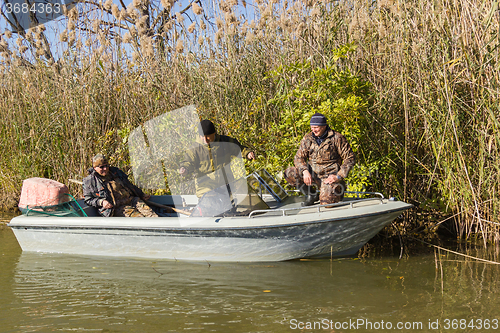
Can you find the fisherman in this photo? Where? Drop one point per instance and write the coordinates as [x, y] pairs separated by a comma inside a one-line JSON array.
[[210, 159], [108, 189], [324, 159]]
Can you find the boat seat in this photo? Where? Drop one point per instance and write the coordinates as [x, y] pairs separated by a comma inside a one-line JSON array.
[[89, 210]]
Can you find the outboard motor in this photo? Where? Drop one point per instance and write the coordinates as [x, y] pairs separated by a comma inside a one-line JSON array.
[[38, 193]]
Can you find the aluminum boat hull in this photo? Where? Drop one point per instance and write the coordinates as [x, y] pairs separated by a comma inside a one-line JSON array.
[[310, 232]]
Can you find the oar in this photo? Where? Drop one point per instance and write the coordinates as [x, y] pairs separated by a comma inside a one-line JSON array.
[[168, 208]]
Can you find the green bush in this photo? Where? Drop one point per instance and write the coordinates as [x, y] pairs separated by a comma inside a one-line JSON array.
[[301, 90]]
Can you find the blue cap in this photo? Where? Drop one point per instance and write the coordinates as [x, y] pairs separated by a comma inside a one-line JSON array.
[[318, 119]]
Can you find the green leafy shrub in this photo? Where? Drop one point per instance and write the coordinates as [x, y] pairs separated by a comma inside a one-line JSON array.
[[301, 91]]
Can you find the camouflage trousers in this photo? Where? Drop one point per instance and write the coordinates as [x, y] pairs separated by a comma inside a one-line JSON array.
[[135, 208], [328, 193]]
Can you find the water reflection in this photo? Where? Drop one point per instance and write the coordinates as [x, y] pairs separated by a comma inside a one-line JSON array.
[[42, 292], [177, 295], [9, 255]]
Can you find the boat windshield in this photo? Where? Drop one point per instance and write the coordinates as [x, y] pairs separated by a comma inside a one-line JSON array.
[[216, 172]]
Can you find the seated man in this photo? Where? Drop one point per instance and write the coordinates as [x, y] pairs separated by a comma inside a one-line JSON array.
[[325, 159], [210, 159], [109, 190]]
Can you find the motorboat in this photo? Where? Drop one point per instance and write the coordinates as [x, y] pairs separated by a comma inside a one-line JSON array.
[[251, 219], [272, 228]]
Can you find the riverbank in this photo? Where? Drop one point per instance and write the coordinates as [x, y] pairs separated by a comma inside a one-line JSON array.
[[9, 204], [413, 87]]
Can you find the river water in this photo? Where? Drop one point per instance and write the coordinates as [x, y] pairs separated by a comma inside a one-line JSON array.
[[436, 292]]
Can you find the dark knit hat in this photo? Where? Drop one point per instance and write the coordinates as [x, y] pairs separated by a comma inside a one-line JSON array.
[[206, 127], [318, 119]]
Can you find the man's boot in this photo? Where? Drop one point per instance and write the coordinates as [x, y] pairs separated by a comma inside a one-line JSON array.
[[312, 195]]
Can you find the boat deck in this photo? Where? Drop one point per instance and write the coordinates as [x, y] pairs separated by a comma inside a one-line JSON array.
[[292, 205]]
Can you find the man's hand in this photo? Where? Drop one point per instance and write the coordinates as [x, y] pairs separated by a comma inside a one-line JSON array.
[[332, 179], [183, 171], [251, 155], [307, 177], [106, 204], [146, 197]]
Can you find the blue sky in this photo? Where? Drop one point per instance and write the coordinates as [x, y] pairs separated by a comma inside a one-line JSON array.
[[55, 27]]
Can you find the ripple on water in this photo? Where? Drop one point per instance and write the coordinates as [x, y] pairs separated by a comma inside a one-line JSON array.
[[51, 292]]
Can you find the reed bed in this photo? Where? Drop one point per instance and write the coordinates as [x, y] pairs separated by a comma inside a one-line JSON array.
[[431, 120]]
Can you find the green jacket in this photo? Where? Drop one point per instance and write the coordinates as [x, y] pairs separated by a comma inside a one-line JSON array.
[[211, 165]]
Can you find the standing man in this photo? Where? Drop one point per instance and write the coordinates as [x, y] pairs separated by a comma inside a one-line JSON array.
[[108, 189], [324, 158], [210, 159]]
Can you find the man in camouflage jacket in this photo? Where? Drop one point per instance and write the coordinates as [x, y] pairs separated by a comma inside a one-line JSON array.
[[109, 190], [324, 158], [210, 159]]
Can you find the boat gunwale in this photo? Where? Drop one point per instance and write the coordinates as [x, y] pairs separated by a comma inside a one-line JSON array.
[[350, 205], [222, 228]]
